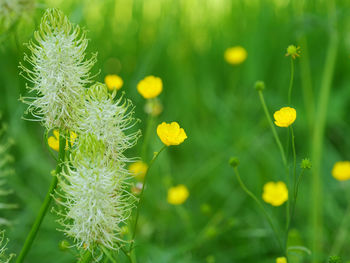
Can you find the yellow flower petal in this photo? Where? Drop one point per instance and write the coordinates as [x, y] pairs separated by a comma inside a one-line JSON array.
[[275, 193], [150, 87], [171, 134], [285, 116], [177, 195], [114, 82], [341, 170], [235, 55]]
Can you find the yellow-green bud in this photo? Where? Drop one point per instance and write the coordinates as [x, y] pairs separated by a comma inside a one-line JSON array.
[[64, 245], [306, 164], [259, 85], [234, 162]]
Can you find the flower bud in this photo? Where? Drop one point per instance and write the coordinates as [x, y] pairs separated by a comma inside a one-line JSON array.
[[234, 162], [259, 85]]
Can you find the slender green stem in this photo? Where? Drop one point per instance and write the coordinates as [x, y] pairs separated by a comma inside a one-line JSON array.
[[291, 80], [141, 196], [277, 139], [318, 135], [269, 219], [283, 155], [149, 128], [294, 158], [45, 205]]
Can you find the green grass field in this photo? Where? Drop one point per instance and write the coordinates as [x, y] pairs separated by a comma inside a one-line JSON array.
[[183, 42]]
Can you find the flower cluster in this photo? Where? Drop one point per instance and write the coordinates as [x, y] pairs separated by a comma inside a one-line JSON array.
[[92, 191], [60, 71], [94, 184], [95, 195]]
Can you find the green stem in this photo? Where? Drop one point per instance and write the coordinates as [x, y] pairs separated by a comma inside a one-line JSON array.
[[147, 136], [283, 155], [45, 205], [318, 136], [291, 80], [277, 139], [294, 158], [269, 219], [141, 196]]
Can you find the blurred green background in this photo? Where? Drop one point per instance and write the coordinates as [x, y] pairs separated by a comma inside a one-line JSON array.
[[183, 42]]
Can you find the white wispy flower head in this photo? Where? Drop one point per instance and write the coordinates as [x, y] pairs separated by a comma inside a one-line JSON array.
[[96, 201], [109, 119], [59, 71]]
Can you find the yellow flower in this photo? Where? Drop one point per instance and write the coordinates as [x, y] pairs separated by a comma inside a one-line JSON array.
[[171, 134], [150, 87], [275, 193], [235, 55], [177, 195], [138, 169], [53, 141], [285, 116], [341, 170], [114, 82], [293, 51], [281, 260]]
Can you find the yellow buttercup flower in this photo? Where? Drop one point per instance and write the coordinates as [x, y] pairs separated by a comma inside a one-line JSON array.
[[177, 195], [235, 55], [341, 170], [150, 87], [171, 134], [275, 193], [285, 116], [53, 141], [114, 82], [281, 260], [138, 169]]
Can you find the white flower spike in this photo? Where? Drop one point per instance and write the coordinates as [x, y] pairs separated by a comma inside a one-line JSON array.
[[96, 201], [59, 71]]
